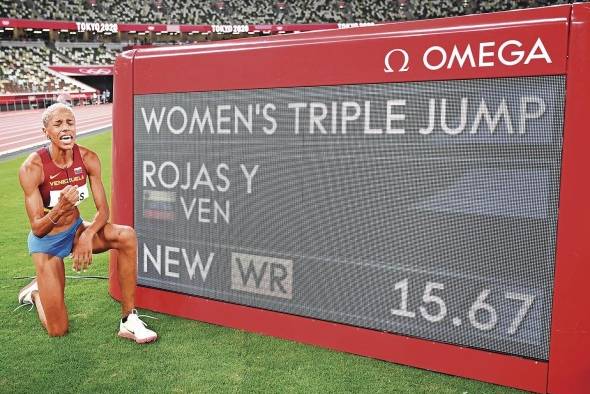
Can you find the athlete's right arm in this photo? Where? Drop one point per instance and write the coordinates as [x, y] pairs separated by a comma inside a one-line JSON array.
[[31, 176]]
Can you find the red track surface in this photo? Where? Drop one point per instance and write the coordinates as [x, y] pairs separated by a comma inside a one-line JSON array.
[[23, 129]]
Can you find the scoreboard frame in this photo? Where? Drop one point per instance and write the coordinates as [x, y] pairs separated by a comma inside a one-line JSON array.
[[364, 55]]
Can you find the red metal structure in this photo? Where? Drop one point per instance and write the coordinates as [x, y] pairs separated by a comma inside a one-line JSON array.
[[360, 56]]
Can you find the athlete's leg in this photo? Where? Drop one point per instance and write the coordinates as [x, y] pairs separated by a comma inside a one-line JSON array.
[[124, 240], [49, 300]]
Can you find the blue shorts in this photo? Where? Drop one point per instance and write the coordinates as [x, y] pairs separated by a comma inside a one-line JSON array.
[[59, 244]]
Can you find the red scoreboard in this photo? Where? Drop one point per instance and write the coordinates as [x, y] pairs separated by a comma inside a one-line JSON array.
[[414, 192]]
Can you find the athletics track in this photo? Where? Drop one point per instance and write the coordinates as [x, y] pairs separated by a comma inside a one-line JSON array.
[[22, 130]]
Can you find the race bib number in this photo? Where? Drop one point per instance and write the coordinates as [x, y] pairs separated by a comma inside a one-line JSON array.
[[83, 194]]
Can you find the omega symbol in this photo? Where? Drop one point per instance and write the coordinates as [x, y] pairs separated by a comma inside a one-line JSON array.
[[406, 58]]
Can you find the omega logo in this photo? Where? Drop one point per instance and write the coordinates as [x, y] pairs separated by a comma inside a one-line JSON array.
[[405, 60], [484, 54]]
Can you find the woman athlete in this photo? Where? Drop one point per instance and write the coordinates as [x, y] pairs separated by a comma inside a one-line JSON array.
[[55, 180]]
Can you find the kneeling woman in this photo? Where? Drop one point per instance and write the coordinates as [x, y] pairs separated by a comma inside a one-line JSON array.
[[55, 181]]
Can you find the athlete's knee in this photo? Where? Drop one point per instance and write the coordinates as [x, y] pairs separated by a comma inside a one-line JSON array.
[[57, 330], [127, 237]]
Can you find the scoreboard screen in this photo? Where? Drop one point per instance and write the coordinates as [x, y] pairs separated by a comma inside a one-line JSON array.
[[414, 192], [424, 208]]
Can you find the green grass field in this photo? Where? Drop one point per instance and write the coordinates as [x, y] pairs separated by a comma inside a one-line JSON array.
[[188, 357]]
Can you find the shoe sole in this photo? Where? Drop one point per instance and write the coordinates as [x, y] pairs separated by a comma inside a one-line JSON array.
[[24, 290], [128, 335]]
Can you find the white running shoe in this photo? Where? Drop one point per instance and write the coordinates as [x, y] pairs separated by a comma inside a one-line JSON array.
[[135, 329], [25, 295]]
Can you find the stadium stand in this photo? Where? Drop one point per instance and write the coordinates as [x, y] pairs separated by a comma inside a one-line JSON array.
[[253, 12], [23, 69], [84, 53], [17, 9]]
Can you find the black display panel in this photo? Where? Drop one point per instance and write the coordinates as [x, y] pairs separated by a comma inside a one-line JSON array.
[[427, 209]]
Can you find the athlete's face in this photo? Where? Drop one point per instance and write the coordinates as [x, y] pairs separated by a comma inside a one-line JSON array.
[[61, 129]]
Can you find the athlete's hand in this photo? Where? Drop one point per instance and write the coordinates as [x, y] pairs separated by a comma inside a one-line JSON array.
[[68, 197], [82, 252]]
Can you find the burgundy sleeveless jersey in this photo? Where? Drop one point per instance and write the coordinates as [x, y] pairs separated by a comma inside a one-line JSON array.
[[56, 179]]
